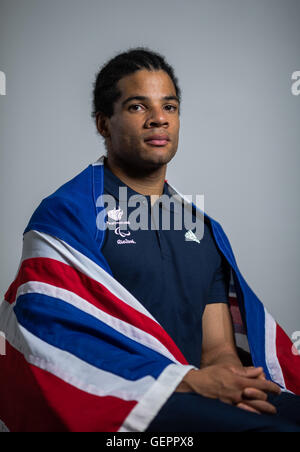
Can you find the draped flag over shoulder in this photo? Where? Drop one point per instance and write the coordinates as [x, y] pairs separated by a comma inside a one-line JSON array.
[[81, 353]]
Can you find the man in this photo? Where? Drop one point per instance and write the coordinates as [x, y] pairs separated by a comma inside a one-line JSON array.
[[111, 328]]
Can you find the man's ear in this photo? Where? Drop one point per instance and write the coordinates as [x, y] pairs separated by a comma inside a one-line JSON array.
[[102, 125]]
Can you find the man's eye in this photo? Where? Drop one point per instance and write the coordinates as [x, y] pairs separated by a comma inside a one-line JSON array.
[[171, 107], [135, 107]]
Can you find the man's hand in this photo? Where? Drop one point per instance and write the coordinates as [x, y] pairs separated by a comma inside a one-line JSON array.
[[245, 387], [253, 399], [222, 375]]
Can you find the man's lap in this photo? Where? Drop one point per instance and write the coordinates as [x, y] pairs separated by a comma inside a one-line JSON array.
[[288, 406], [192, 412]]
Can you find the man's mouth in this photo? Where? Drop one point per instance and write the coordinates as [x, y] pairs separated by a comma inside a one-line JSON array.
[[157, 140]]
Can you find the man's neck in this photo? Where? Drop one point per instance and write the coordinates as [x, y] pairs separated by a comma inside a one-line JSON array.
[[149, 184]]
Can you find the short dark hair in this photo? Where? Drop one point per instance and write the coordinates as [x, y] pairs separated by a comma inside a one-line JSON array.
[[105, 92]]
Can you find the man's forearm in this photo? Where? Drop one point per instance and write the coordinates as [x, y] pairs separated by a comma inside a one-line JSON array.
[[226, 356], [230, 359]]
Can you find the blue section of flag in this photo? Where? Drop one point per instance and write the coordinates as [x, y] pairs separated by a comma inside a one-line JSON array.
[[70, 213], [68, 328]]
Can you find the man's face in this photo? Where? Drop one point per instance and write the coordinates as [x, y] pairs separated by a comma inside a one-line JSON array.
[[143, 131]]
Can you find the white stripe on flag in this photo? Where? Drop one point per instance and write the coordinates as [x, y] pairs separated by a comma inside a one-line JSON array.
[[3, 427], [270, 351], [38, 244], [71, 298], [145, 411], [66, 366]]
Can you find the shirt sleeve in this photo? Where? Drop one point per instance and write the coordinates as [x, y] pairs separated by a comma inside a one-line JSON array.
[[219, 288]]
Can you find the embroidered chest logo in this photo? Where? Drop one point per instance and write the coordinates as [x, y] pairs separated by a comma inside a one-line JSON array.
[[191, 237], [116, 215]]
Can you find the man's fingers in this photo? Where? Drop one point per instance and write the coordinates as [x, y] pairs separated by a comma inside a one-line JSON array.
[[260, 405], [248, 372], [256, 379], [261, 385], [257, 400], [254, 393], [261, 375], [245, 407], [269, 386]]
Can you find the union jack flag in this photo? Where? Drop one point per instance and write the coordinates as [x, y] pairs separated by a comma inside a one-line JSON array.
[[81, 352]]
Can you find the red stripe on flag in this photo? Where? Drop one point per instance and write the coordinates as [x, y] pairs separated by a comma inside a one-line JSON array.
[[236, 315], [289, 362], [63, 276], [37, 401], [233, 300]]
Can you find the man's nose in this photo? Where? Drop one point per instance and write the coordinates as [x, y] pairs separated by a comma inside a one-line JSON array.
[[157, 118]]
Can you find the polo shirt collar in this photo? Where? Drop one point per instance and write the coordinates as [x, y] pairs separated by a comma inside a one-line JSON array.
[[112, 184]]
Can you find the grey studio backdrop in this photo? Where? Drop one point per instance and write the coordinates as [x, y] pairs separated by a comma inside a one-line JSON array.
[[239, 141]]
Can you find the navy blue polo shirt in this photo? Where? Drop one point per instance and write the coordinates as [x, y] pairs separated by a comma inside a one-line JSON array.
[[172, 277]]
